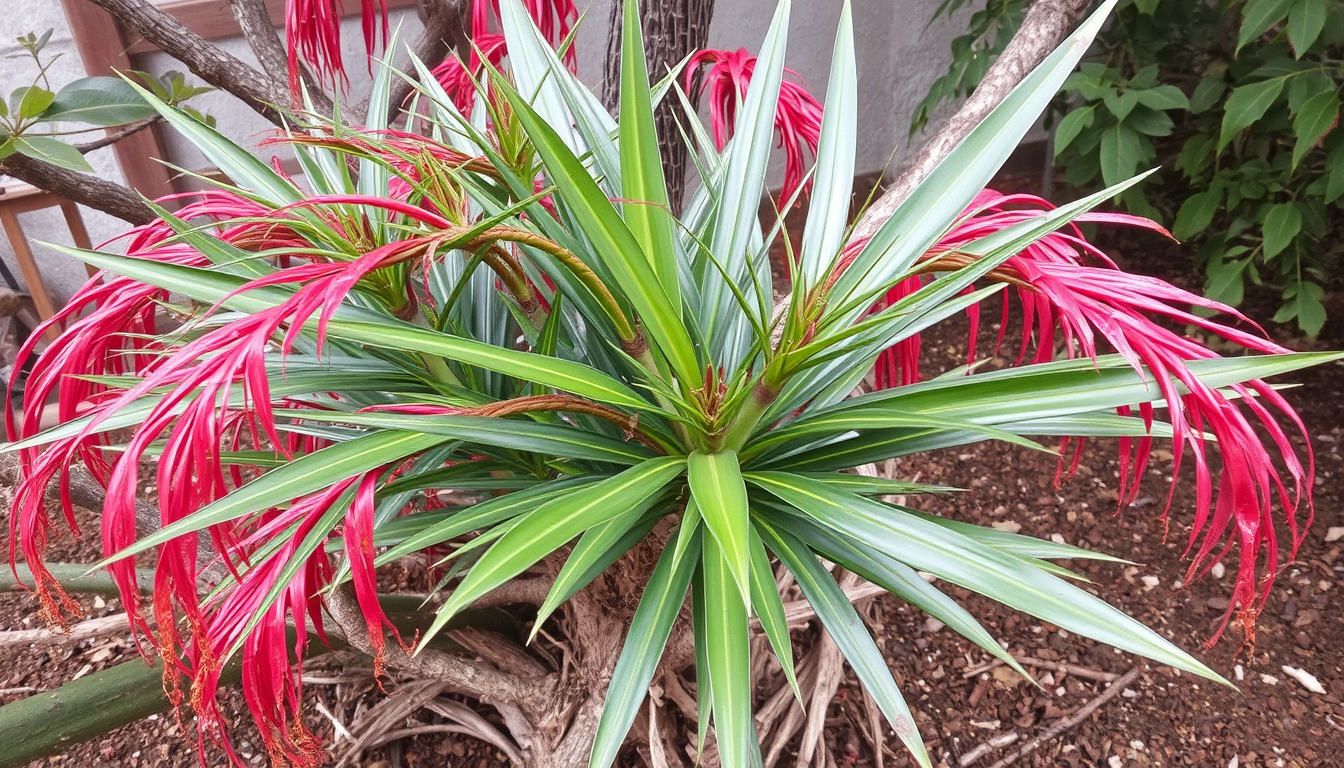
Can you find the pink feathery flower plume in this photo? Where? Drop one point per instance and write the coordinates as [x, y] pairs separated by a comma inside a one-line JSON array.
[[108, 323], [797, 119], [272, 662], [203, 397], [1071, 291], [313, 34], [554, 18], [460, 81]]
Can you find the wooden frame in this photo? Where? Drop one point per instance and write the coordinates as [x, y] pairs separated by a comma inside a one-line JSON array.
[[102, 46], [213, 19], [105, 45]]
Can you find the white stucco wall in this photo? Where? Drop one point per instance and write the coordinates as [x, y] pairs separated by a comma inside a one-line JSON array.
[[898, 59], [61, 273]]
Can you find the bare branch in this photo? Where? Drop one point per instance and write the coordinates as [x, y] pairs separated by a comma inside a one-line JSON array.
[[113, 138], [479, 681], [259, 31], [207, 61], [531, 591], [85, 189], [445, 32], [84, 492], [1046, 25]]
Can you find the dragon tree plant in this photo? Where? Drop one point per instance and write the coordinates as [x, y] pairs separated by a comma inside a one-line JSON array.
[[502, 305]]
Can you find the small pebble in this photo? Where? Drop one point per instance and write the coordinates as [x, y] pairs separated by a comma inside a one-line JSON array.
[[1057, 538], [1269, 679], [1240, 672], [1335, 533], [1305, 678], [1151, 581], [1218, 570]]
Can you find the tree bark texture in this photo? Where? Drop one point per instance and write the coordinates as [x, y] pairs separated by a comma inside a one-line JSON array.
[[673, 29], [206, 61], [1045, 26], [259, 31], [85, 189], [445, 34]]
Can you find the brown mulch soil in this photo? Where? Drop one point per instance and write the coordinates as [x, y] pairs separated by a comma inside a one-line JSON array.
[[1164, 719]]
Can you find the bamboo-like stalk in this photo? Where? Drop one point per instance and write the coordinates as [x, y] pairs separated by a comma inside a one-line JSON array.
[[84, 709], [74, 578]]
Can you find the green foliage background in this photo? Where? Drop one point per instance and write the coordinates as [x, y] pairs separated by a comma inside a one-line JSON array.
[[1237, 101]]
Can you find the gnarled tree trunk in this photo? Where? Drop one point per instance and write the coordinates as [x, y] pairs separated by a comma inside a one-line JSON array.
[[673, 29]]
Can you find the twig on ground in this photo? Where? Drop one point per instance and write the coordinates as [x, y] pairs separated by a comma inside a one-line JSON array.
[[998, 742], [1077, 717], [340, 730], [475, 725], [1086, 673], [106, 625]]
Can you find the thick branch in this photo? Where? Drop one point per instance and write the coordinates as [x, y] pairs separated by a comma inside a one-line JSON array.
[[85, 189], [1046, 25], [206, 61], [479, 681], [85, 492], [673, 29], [255, 22], [445, 32]]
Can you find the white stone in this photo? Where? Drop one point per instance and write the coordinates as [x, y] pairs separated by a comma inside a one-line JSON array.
[[1304, 677]]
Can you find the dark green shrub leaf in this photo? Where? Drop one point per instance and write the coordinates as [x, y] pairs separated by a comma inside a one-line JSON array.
[[1197, 213], [49, 150], [1304, 303], [99, 101], [1207, 93], [1163, 97], [1318, 115], [1247, 104], [1335, 164], [1121, 148], [1306, 19], [1226, 281], [1282, 224], [1073, 124], [1257, 16], [1150, 122], [1121, 104]]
